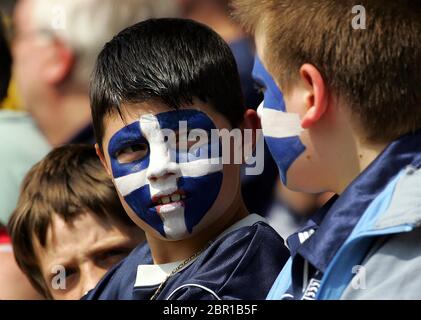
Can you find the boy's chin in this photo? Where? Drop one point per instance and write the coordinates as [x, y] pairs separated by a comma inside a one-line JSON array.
[[303, 187], [175, 235], [299, 179], [178, 231]]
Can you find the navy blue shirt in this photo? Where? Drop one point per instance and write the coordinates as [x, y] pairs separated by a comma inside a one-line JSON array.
[[241, 264]]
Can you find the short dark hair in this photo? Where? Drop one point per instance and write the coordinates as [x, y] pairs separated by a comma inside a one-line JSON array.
[[377, 71], [69, 181], [5, 61], [171, 60]]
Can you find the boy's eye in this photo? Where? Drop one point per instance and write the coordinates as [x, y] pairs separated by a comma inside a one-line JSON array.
[[110, 257], [132, 153], [71, 272], [72, 275]]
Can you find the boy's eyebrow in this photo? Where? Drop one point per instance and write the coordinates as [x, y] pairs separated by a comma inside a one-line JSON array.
[[99, 247], [195, 119], [111, 243]]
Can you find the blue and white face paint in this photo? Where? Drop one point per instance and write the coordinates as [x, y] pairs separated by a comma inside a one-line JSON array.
[[281, 130], [168, 187]]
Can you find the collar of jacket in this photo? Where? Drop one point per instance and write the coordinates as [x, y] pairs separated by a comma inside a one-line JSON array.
[[343, 215]]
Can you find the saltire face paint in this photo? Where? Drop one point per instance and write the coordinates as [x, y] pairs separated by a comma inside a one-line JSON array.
[[169, 187], [281, 130]]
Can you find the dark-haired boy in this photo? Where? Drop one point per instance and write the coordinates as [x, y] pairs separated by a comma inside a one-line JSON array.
[[203, 244], [350, 119]]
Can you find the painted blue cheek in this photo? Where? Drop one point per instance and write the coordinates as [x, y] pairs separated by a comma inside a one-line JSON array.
[[118, 142], [284, 150], [197, 203], [202, 193], [140, 202]]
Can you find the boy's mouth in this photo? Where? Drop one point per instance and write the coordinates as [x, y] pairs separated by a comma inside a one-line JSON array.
[[169, 202]]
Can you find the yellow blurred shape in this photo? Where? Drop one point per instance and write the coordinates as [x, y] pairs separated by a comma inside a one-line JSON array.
[[12, 102]]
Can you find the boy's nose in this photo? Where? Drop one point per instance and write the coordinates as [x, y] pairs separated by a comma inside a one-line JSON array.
[[163, 174], [90, 276], [160, 166]]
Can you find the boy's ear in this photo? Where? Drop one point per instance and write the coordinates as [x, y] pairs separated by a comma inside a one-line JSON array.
[[101, 157], [316, 100], [251, 122]]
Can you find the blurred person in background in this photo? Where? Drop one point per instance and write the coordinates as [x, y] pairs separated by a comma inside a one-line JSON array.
[[69, 227], [21, 143], [12, 99], [215, 14], [257, 190], [13, 284], [54, 49], [5, 61]]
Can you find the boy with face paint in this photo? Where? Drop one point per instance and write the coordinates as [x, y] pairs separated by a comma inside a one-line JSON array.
[[348, 120], [159, 91]]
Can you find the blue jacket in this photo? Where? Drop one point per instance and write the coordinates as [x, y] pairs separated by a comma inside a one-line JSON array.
[[366, 243]]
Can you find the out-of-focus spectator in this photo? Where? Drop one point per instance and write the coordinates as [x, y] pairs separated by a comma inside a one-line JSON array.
[[69, 226], [215, 14], [21, 143], [13, 283], [12, 99], [5, 62], [54, 48], [6, 6]]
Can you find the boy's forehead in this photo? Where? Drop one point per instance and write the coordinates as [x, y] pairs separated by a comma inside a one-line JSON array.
[[134, 111], [67, 239]]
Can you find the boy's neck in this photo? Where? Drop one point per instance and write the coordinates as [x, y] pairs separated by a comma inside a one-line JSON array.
[[364, 154], [164, 251]]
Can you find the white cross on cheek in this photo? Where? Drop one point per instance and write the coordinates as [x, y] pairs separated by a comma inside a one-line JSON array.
[[278, 124]]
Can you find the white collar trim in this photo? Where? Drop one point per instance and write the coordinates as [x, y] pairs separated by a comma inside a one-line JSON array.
[[154, 274]]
